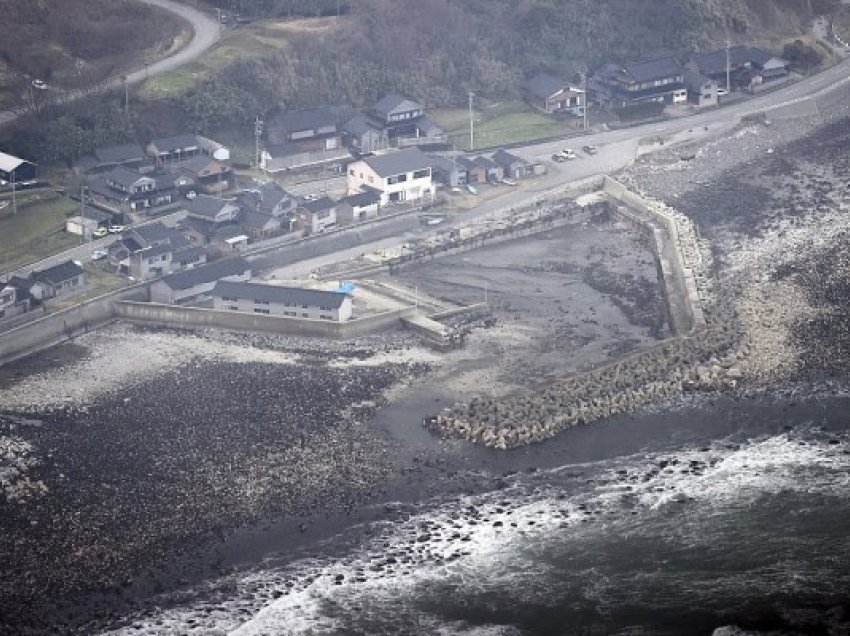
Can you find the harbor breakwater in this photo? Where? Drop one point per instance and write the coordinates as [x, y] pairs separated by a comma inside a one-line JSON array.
[[705, 353]]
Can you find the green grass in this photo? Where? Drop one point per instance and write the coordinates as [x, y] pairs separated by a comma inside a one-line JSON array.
[[37, 230], [100, 282], [501, 124]]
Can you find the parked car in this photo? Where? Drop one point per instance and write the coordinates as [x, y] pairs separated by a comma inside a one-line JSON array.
[[568, 153], [509, 182], [471, 189], [721, 92], [116, 229], [589, 149], [191, 194], [558, 157], [39, 84], [99, 255], [100, 232]]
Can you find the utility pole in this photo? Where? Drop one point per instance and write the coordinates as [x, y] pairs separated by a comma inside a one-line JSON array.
[[126, 94], [584, 88], [82, 213], [14, 201], [728, 85], [258, 131], [471, 122]]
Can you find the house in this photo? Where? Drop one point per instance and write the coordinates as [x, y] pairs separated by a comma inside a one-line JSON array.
[[130, 155], [399, 176], [87, 221], [301, 138], [659, 80], [317, 215], [153, 250], [747, 66], [449, 172], [482, 169], [15, 300], [258, 225], [277, 300], [122, 189], [16, 170], [513, 167], [365, 135], [702, 90], [165, 150], [197, 283], [205, 173], [268, 198], [549, 94], [357, 207], [395, 121], [57, 281], [212, 210]]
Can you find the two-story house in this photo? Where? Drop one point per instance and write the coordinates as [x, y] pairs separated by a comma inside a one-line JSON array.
[[14, 300], [277, 300], [57, 281], [399, 176], [747, 66], [620, 87], [154, 250], [122, 189], [212, 210], [395, 121], [550, 94], [317, 215], [302, 138]]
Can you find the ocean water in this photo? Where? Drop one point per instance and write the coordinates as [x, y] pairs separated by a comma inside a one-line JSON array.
[[750, 532]]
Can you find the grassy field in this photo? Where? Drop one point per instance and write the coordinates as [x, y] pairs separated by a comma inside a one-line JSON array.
[[37, 230], [500, 124], [100, 282]]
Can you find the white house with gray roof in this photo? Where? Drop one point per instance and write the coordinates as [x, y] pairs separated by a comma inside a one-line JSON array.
[[399, 176], [212, 209], [278, 300], [197, 283]]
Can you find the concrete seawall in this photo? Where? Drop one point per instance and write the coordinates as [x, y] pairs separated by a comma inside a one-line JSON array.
[[54, 328]]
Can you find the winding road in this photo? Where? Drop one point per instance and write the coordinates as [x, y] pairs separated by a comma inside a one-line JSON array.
[[206, 33]]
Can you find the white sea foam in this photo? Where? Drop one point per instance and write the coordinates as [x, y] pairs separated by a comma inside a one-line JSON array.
[[488, 542]]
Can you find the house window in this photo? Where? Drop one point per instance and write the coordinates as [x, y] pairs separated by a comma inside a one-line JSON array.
[[233, 308], [305, 315], [401, 178], [351, 172], [421, 174], [258, 310], [304, 306], [261, 302]]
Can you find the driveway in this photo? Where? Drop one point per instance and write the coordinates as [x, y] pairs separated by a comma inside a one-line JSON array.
[[206, 34]]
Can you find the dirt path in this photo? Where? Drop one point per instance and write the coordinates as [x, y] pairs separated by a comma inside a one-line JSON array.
[[206, 33]]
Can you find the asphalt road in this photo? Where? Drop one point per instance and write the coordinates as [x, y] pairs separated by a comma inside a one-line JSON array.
[[206, 34]]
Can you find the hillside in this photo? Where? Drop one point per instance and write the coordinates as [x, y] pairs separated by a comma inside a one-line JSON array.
[[70, 43], [299, 54]]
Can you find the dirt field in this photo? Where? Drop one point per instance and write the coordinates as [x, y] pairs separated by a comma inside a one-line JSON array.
[[572, 297]]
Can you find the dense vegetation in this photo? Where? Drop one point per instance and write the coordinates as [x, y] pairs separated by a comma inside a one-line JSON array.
[[77, 42], [433, 50]]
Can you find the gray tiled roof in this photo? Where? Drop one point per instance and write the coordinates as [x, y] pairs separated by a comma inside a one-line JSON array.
[[715, 61], [120, 153], [300, 120], [207, 273], [205, 205], [504, 158], [362, 199], [279, 294], [59, 273], [398, 162], [156, 232], [544, 85], [395, 102], [177, 142], [124, 176]]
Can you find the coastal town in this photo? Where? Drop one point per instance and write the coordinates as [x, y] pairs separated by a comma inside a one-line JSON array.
[[378, 308]]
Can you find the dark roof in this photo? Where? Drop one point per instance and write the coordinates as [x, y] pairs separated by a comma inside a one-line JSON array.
[[504, 158], [279, 294], [394, 102], [177, 142], [188, 254], [360, 124], [323, 203], [484, 162], [94, 214], [641, 71], [695, 81], [207, 273], [156, 232], [98, 185], [544, 85], [254, 220], [195, 164], [155, 250], [362, 199], [206, 205], [714, 62], [298, 120], [124, 176], [59, 273], [263, 197], [120, 153], [397, 162]]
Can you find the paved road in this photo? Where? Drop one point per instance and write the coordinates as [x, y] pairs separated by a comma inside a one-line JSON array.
[[206, 34]]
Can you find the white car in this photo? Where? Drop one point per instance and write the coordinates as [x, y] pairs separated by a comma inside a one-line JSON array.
[[99, 255], [721, 92], [116, 229], [39, 84], [568, 153]]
